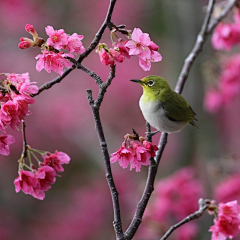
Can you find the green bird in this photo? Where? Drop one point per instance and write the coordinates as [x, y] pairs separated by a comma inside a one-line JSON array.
[[162, 108]]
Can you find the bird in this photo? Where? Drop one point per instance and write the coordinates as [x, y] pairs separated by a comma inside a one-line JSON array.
[[163, 108]]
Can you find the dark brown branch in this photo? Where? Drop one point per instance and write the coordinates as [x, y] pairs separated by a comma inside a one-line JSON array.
[[104, 86], [25, 146], [95, 105], [197, 48], [100, 32], [203, 205], [92, 74], [58, 79]]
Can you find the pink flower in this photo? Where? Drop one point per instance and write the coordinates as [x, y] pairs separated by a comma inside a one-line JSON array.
[[151, 148], [228, 85], [29, 28], [9, 109], [121, 48], [226, 35], [74, 44], [51, 61], [23, 85], [141, 156], [227, 223], [35, 183], [142, 46], [26, 43], [55, 160], [116, 55], [5, 141], [105, 57], [145, 60], [134, 153], [26, 182], [57, 38], [45, 175], [138, 43], [124, 155]]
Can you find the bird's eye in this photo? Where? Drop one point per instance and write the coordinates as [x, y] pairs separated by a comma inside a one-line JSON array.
[[151, 83]]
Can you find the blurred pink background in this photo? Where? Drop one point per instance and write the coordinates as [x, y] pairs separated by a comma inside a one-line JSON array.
[[79, 204]]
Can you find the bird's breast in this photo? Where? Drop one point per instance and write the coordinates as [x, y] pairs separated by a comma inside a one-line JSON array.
[[155, 115]]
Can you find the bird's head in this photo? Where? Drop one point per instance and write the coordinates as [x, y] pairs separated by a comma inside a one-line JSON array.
[[152, 84]]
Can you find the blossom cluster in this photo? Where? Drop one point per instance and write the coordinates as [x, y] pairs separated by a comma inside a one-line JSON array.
[[36, 182], [228, 85], [53, 58], [134, 152], [139, 44], [227, 222], [227, 35], [14, 101]]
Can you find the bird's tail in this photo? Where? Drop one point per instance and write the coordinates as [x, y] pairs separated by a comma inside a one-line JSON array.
[[194, 124]]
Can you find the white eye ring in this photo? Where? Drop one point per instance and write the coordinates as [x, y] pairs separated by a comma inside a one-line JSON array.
[[151, 83]]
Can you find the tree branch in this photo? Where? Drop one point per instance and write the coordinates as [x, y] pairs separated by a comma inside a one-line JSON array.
[[58, 79], [203, 205], [197, 48], [149, 187], [25, 146], [100, 32], [222, 14], [95, 106], [92, 74], [91, 47]]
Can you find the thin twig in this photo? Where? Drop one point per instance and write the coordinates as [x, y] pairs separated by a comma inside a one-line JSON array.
[[203, 205], [104, 86], [223, 13], [95, 106], [25, 146], [92, 46], [92, 74], [58, 79], [197, 48]]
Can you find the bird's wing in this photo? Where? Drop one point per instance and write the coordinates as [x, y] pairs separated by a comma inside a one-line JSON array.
[[177, 108]]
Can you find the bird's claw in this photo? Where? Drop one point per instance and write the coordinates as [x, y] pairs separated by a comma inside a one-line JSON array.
[[151, 134]]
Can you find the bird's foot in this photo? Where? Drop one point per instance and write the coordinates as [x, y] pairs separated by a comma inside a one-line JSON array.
[[151, 134]]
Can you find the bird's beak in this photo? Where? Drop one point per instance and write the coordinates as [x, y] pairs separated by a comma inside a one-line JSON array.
[[137, 81]]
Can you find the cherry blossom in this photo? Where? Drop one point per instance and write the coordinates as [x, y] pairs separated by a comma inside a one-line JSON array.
[[135, 153], [5, 141], [105, 57], [51, 61], [55, 160], [57, 38], [35, 182], [141, 45], [226, 35], [227, 223], [74, 44]]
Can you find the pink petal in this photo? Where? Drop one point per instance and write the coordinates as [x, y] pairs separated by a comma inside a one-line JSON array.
[[137, 32]]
